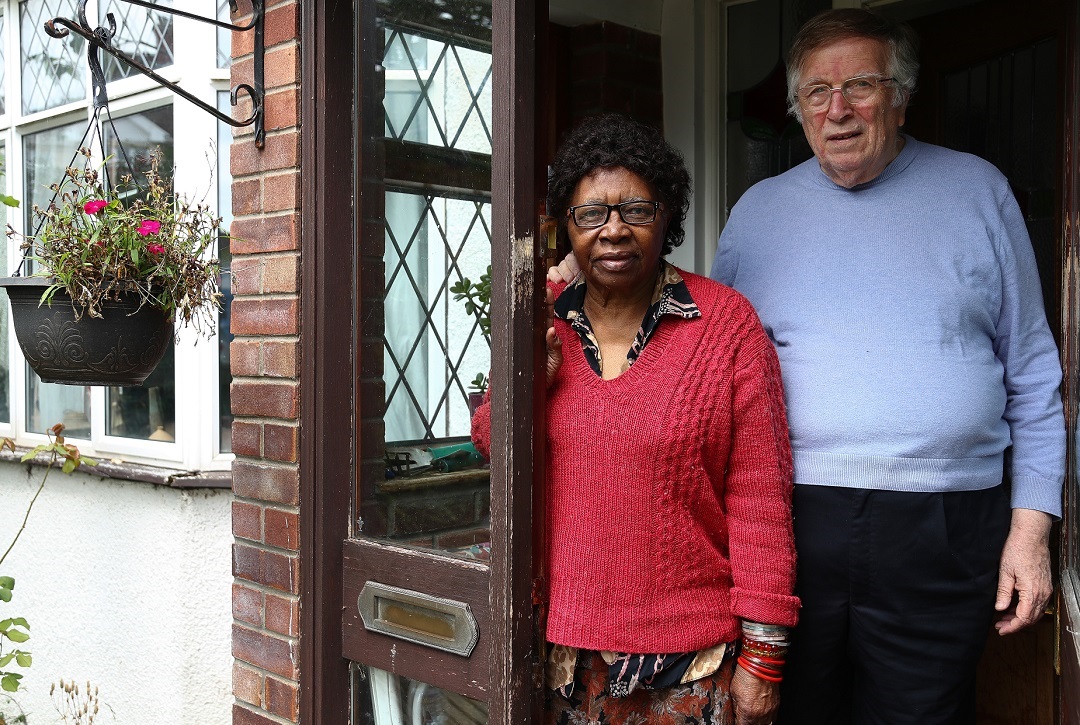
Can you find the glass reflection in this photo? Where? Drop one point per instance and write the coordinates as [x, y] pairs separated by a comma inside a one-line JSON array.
[[390, 699]]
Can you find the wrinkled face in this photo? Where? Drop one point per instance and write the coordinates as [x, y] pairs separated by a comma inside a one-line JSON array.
[[853, 143], [617, 258]]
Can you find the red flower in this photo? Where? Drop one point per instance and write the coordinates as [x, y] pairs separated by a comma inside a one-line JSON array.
[[94, 206], [148, 227], [155, 249]]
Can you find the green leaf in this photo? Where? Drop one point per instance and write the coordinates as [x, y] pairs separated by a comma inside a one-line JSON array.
[[7, 582], [9, 200], [19, 622], [10, 681], [24, 659], [7, 658], [16, 635], [5, 594], [69, 466]]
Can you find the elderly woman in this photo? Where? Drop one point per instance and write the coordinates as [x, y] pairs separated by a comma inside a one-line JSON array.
[[669, 536]]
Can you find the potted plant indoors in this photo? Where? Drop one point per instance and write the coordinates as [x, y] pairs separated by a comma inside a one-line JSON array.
[[477, 297], [114, 267]]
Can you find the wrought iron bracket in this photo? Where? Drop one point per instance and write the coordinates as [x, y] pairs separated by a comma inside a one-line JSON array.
[[101, 38]]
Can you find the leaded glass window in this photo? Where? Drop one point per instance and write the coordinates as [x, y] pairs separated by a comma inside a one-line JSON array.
[[437, 151], [143, 34], [53, 71]]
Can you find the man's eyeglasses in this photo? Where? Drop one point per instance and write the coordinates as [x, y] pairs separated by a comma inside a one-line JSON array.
[[590, 216], [859, 89]]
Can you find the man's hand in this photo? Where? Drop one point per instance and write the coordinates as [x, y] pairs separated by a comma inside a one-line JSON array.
[[566, 271], [1025, 570], [756, 700]]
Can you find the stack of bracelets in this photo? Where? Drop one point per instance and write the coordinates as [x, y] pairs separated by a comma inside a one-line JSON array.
[[763, 650]]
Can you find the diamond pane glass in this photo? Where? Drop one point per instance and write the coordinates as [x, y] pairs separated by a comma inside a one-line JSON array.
[[434, 346], [53, 70], [452, 86], [431, 190], [224, 37], [143, 34]]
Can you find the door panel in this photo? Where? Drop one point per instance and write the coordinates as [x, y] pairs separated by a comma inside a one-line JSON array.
[[438, 571]]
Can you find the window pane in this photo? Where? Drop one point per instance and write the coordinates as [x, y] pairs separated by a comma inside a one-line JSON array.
[[142, 34], [5, 410], [3, 64], [428, 183], [147, 411], [224, 37], [46, 155], [53, 70], [224, 210]]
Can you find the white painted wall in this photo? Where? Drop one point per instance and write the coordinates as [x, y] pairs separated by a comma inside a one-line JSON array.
[[127, 585]]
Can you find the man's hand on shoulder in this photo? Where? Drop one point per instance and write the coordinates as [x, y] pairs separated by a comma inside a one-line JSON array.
[[566, 271], [1025, 571]]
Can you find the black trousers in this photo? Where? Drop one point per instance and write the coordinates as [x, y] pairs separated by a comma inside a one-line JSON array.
[[897, 596]]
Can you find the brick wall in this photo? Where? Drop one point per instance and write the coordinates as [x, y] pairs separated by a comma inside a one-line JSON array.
[[265, 390]]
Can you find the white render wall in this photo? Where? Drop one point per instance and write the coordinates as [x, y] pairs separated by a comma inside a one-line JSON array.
[[125, 584]]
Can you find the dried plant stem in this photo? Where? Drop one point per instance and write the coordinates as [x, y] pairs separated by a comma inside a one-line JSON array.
[[28, 508]]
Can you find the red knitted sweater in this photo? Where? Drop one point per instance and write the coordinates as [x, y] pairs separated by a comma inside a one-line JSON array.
[[669, 487]]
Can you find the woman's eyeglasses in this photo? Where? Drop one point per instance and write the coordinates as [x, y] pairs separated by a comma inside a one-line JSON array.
[[590, 216]]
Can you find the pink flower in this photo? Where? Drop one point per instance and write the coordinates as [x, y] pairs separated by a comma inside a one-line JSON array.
[[148, 227], [155, 248], [94, 206]]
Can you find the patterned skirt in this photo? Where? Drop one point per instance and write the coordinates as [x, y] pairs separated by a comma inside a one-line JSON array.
[[702, 702]]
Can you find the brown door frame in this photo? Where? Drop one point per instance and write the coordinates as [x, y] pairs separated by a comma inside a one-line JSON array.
[[328, 441], [1068, 655], [327, 47]]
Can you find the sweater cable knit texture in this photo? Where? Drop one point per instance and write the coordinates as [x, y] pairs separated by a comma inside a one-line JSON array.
[[669, 487]]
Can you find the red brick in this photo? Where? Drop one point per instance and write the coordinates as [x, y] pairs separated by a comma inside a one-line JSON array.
[[281, 274], [247, 520], [281, 442], [244, 716], [281, 24], [282, 529], [246, 275], [282, 615], [242, 70], [265, 316], [281, 109], [265, 234], [244, 357], [246, 196], [281, 192], [274, 484], [282, 699], [270, 653], [279, 359], [281, 66], [282, 151], [247, 606], [247, 684], [246, 440], [271, 400], [268, 568]]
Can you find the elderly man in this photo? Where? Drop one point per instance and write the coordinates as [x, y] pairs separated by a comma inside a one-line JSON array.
[[898, 283]]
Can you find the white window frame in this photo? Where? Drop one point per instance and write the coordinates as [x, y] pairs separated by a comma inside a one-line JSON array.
[[197, 411]]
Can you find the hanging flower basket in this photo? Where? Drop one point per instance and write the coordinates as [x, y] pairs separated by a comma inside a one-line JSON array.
[[122, 347]]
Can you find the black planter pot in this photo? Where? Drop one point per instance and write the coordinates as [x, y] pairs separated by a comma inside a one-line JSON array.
[[121, 348]]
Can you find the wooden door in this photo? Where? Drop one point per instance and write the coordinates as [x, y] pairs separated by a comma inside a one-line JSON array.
[[438, 568]]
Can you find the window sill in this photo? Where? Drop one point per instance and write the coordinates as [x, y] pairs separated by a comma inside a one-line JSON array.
[[136, 472]]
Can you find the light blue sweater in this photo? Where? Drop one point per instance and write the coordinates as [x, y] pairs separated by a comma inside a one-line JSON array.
[[908, 318]]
